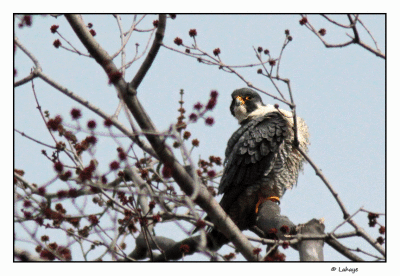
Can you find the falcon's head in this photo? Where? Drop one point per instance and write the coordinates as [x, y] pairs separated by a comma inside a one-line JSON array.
[[244, 102]]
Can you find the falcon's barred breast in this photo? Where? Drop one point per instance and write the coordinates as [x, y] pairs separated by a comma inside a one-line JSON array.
[[261, 161]]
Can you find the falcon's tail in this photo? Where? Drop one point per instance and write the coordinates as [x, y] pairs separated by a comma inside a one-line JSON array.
[[215, 240]]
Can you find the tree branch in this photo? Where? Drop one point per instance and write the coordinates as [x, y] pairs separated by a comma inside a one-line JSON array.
[[346, 214], [354, 40], [312, 250], [182, 178], [25, 256], [28, 78], [144, 68], [342, 249], [29, 54], [327, 184], [133, 136]]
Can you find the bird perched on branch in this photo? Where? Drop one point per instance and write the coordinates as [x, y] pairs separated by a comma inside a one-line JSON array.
[[261, 160]]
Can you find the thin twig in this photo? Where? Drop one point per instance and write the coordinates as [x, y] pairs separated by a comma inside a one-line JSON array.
[[346, 214], [370, 34], [346, 220], [354, 40], [34, 140], [74, 49], [336, 23], [127, 34], [99, 112], [326, 182]]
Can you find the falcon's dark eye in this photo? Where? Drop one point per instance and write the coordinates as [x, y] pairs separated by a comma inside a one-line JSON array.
[[248, 98]]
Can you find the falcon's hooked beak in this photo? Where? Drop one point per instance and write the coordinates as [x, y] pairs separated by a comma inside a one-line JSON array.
[[239, 100], [239, 109], [244, 103]]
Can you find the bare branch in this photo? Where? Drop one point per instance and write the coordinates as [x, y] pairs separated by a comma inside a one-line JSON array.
[[354, 27], [29, 54], [34, 140], [354, 40], [327, 184], [372, 37], [183, 179], [99, 112], [336, 23], [25, 256], [151, 55], [346, 214], [343, 250], [139, 192], [36, 63], [28, 78], [368, 238]]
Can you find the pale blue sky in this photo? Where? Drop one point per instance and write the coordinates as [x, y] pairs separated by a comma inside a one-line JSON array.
[[340, 93]]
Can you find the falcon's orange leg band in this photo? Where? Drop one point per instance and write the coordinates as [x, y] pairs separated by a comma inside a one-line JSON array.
[[262, 199]]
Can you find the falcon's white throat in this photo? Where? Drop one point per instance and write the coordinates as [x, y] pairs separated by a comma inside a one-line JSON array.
[[241, 112]]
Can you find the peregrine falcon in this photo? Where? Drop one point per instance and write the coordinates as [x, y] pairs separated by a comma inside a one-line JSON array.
[[261, 161]]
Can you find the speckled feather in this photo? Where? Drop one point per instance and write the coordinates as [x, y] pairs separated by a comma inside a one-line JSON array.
[[253, 152], [260, 157]]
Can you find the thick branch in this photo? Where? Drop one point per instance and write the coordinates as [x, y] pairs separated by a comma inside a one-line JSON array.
[[25, 256], [182, 178], [269, 225], [270, 221], [171, 249], [312, 250]]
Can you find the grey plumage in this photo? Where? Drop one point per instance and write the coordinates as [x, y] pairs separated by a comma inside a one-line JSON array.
[[261, 160], [260, 157]]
